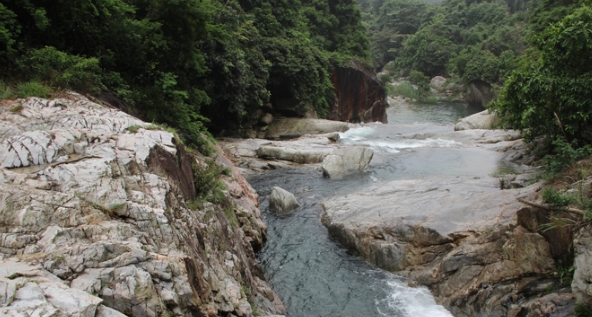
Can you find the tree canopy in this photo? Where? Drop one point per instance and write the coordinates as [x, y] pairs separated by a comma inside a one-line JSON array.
[[549, 94], [186, 63], [471, 40]]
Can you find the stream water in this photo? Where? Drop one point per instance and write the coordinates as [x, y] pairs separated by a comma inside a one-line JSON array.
[[312, 274]]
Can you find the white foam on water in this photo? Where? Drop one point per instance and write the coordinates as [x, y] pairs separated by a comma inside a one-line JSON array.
[[364, 136], [413, 302], [357, 133]]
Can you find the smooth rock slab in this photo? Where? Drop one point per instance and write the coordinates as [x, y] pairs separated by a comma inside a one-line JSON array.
[[282, 201], [297, 155], [380, 221], [481, 120], [289, 128], [343, 162]]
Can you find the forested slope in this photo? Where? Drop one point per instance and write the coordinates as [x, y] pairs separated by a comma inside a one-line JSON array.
[[535, 52], [466, 39], [185, 63]]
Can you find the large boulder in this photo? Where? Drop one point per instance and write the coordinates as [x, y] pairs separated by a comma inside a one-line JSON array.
[[282, 201], [437, 82], [297, 155], [344, 161], [479, 93], [266, 119], [481, 120], [359, 95], [291, 128]]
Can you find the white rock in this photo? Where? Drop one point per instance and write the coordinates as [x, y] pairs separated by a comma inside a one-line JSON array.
[[437, 82], [481, 120], [343, 162], [103, 311], [82, 200], [282, 201]]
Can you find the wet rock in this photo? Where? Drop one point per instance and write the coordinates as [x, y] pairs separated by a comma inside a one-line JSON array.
[[359, 95], [481, 120], [282, 201], [334, 137], [346, 161]]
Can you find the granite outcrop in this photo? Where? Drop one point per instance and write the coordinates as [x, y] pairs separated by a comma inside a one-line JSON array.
[[100, 218]]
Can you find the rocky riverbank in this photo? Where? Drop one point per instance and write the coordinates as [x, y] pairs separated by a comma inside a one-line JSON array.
[[468, 239], [100, 218]]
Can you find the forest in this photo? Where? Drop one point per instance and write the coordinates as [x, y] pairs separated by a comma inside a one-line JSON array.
[[205, 65], [534, 53], [195, 65]]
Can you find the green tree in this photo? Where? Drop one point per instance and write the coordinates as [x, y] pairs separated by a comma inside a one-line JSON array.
[[549, 94]]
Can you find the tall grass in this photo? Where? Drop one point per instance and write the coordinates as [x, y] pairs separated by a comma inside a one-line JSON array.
[[6, 91], [32, 89], [404, 90]]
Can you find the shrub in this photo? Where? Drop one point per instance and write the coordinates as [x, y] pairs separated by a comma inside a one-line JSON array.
[[422, 81], [405, 90], [564, 154], [556, 198], [207, 182], [32, 89], [133, 128], [384, 79], [61, 69], [549, 93], [6, 91]]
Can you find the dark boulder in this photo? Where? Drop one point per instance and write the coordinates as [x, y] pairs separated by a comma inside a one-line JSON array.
[[479, 93], [359, 97]]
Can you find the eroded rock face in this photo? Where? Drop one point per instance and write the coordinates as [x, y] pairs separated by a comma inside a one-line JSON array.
[[479, 93], [282, 201], [30, 290], [359, 95], [102, 212], [458, 238]]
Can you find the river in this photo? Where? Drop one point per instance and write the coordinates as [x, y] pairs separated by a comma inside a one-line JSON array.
[[312, 274]]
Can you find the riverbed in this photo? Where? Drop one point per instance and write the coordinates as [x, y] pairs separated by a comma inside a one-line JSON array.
[[314, 275]]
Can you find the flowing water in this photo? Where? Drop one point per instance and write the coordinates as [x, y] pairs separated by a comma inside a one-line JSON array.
[[312, 274]]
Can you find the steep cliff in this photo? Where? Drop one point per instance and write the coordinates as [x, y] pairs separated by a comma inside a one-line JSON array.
[[359, 97], [100, 218]]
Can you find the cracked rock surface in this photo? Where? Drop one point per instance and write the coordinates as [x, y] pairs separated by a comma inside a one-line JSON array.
[[95, 220]]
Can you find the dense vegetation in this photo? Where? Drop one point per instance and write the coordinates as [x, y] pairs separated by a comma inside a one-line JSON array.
[[549, 94], [182, 62], [538, 54], [466, 39]]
